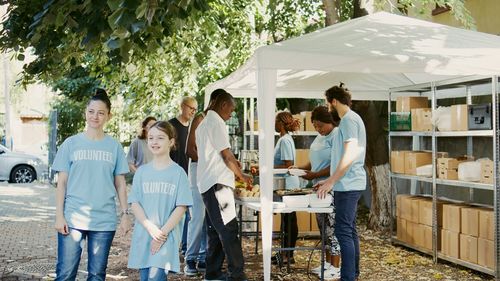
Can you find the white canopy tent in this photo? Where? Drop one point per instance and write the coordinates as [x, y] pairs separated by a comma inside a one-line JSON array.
[[370, 55]]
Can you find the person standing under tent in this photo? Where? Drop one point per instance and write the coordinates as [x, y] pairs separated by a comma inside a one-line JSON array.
[[159, 199], [181, 124], [217, 168], [318, 169], [91, 168], [197, 233], [284, 157], [347, 178]]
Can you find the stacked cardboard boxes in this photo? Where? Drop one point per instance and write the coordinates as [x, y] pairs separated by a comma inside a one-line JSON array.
[[485, 249], [412, 113], [447, 168], [421, 119], [450, 235], [414, 220], [468, 234]]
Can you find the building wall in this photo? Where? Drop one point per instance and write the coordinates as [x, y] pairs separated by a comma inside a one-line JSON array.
[[484, 12]]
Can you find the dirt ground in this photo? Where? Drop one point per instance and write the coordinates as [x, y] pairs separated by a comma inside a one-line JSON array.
[[380, 260]]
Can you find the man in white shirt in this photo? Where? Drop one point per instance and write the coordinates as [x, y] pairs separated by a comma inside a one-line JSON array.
[[217, 168]]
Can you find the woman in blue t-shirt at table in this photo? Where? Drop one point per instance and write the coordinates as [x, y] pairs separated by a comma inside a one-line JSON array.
[[318, 169], [160, 197], [91, 168], [284, 157]]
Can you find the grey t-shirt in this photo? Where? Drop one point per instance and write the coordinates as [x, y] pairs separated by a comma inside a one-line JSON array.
[[139, 153]]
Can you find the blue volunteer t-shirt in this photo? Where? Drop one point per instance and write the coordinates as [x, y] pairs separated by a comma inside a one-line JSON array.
[[158, 192], [91, 165], [351, 128], [320, 153], [285, 150]]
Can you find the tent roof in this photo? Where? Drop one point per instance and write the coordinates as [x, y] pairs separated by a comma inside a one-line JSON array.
[[370, 55]]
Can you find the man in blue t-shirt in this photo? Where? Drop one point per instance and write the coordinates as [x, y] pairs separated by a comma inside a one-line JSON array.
[[347, 178]]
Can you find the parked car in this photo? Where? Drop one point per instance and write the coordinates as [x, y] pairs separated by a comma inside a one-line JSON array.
[[20, 167]]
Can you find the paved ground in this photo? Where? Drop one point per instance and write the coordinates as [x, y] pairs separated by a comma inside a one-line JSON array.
[[27, 235], [28, 248]]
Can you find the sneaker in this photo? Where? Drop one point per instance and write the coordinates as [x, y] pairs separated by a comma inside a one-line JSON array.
[[190, 268], [221, 277], [333, 273], [317, 270], [202, 266]]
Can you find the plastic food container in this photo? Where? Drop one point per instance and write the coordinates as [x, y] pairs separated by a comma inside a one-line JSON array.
[[315, 202], [297, 201]]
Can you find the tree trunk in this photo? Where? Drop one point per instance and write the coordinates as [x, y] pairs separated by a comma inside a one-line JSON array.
[[381, 208], [332, 11], [374, 115], [363, 8]]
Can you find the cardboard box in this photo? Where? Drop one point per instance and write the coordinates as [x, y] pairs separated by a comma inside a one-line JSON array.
[[410, 232], [406, 104], [414, 204], [304, 221], [459, 117], [486, 224], [470, 221], [447, 163], [398, 161], [301, 157], [300, 117], [408, 208], [487, 171], [418, 235], [450, 243], [425, 212], [308, 125], [314, 223], [414, 159], [447, 174], [401, 229], [399, 204], [428, 237], [485, 253], [468, 248], [421, 119], [452, 217]]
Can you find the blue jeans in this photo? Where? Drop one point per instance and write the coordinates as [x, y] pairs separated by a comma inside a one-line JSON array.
[[69, 251], [197, 232], [152, 274], [346, 205]]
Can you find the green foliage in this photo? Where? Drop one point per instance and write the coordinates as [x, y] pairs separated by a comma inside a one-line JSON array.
[[62, 33], [423, 8], [70, 117]]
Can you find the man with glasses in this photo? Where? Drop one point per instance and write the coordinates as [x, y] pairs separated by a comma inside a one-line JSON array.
[[181, 125]]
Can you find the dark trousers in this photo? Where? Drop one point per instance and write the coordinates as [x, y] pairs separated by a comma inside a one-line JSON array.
[[223, 239], [291, 231], [346, 205]]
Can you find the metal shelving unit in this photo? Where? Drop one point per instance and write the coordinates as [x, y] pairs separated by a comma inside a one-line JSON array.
[[433, 90]]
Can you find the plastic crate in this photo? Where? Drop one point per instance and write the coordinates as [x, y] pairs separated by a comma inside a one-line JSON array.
[[400, 121]]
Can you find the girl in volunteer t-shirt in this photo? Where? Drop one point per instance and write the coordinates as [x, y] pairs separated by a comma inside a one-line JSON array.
[[160, 197], [91, 168]]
